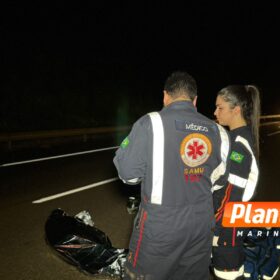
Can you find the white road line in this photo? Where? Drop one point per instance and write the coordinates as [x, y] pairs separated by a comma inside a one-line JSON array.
[[41, 200], [59, 156]]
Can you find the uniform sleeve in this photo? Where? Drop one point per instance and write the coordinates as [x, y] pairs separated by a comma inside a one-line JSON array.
[[131, 157], [241, 161], [240, 166], [220, 174]]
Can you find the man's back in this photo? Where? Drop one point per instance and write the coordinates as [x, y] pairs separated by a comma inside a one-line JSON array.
[[178, 155], [192, 151]]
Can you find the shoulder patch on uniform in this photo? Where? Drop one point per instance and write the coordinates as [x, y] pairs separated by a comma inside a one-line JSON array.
[[125, 143], [237, 157]]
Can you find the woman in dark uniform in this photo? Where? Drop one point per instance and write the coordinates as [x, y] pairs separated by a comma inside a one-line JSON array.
[[238, 108]]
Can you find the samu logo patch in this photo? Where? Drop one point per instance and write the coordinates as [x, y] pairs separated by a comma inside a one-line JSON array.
[[237, 157], [195, 149]]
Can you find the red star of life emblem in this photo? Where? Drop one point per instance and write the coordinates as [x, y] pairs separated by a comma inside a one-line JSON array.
[[195, 149]]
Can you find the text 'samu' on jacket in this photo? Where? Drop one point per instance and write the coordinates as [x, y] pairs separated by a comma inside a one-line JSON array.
[[178, 155]]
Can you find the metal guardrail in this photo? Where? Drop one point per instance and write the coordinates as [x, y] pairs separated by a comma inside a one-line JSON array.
[[85, 132], [7, 139], [264, 120], [270, 117], [59, 133]]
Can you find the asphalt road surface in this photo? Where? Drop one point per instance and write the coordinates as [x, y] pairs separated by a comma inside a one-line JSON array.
[[24, 252]]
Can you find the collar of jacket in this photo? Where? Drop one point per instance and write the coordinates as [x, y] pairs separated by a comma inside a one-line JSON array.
[[182, 104]]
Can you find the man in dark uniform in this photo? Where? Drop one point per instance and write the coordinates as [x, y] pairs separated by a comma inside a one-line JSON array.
[[179, 156]]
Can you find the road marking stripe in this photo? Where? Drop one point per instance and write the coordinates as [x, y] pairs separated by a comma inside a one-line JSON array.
[[44, 199], [59, 156]]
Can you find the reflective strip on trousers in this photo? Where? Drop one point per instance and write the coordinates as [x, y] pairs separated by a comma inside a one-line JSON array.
[[158, 157], [229, 275]]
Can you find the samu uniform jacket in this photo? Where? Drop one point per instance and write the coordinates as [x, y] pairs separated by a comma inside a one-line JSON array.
[[177, 155], [242, 181]]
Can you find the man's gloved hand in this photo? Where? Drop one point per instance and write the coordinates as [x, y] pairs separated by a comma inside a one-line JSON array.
[[215, 241]]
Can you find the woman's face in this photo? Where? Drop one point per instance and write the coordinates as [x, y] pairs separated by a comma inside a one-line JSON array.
[[223, 112]]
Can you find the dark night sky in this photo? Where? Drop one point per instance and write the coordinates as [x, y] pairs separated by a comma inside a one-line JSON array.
[[82, 64]]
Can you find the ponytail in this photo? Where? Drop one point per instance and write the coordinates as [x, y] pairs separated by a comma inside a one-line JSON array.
[[255, 115]]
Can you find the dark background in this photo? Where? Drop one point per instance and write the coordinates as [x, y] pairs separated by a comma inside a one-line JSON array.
[[86, 64]]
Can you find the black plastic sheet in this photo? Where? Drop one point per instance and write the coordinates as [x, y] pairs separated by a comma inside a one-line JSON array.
[[83, 245]]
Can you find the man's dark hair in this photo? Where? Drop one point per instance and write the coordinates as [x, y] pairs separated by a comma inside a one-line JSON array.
[[181, 84]]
